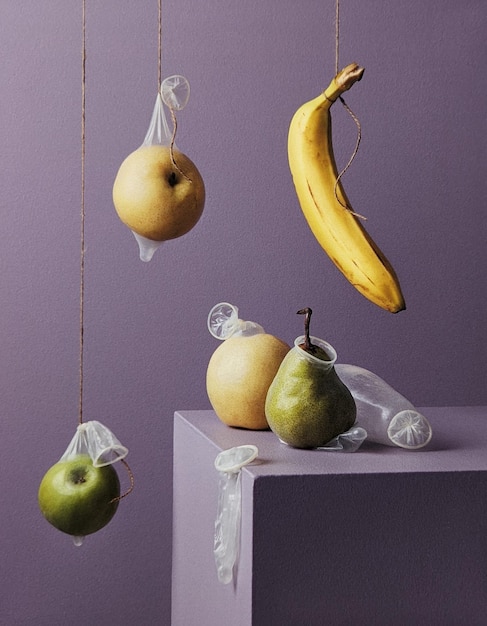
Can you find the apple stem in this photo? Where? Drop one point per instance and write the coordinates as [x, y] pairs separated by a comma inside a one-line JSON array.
[[307, 312]]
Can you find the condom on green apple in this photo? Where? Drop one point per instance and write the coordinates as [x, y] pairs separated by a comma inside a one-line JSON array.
[[79, 495]]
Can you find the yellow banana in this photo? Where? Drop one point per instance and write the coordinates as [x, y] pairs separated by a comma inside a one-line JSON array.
[[325, 205]]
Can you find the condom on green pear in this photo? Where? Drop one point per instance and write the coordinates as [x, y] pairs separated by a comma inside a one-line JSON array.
[[307, 405]]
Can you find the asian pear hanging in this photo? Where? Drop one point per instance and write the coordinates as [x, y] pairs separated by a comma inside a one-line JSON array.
[[158, 191]]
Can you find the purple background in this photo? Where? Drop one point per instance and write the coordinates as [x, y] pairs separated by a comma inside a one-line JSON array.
[[419, 177]]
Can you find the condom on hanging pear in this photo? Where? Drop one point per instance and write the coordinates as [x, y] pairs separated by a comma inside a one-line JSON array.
[[158, 191]]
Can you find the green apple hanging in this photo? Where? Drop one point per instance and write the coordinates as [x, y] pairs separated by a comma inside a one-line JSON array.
[[80, 494], [78, 498]]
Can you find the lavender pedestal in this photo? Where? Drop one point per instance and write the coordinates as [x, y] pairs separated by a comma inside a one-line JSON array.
[[381, 536]]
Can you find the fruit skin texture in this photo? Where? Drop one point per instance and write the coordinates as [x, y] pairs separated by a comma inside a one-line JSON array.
[[78, 498], [306, 407], [339, 232], [238, 376], [154, 198]]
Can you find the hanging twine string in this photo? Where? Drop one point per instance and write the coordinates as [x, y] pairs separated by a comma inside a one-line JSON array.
[[159, 49], [171, 145], [337, 34], [350, 112], [173, 139], [82, 259], [159, 86], [132, 483]]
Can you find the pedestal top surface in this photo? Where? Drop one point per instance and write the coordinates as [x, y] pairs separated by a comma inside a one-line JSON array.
[[459, 443]]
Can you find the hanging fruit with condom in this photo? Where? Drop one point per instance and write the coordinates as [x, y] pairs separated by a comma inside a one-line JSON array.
[[158, 191]]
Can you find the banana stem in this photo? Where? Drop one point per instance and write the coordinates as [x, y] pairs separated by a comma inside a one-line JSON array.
[[343, 81]]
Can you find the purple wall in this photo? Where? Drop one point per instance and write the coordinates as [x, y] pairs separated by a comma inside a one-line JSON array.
[[419, 177]]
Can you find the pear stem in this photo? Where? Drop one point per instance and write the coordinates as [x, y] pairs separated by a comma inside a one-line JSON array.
[[307, 312]]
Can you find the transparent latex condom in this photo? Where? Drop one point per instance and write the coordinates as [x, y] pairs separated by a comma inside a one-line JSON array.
[[352, 439], [290, 393], [174, 93], [223, 322], [349, 441], [388, 417], [98, 442], [227, 524]]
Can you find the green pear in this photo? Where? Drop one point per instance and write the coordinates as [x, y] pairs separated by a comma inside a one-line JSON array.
[[307, 404]]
